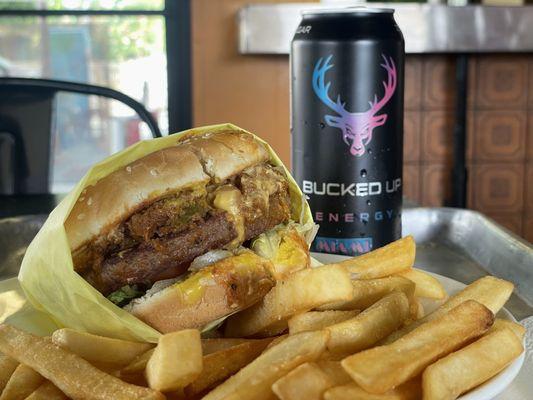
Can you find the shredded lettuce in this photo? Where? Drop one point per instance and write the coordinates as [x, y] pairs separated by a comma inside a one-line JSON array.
[[125, 294], [267, 244], [308, 231]]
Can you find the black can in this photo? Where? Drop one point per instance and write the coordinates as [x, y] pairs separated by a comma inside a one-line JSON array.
[[347, 69]]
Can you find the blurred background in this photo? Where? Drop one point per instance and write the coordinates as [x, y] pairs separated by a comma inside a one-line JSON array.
[[198, 62], [121, 51]]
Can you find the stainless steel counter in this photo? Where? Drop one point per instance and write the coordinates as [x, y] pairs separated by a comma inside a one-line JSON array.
[[268, 28]]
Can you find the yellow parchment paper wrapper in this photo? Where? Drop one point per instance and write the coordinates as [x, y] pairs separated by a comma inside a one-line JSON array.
[[47, 275]]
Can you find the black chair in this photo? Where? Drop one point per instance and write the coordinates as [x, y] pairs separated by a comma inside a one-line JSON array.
[[27, 108]]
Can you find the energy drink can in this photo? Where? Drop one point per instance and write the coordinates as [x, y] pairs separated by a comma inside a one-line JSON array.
[[347, 69]]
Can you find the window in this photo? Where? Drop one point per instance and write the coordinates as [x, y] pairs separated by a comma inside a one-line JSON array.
[[112, 5], [118, 44]]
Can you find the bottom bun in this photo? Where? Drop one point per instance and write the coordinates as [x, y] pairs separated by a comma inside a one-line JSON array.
[[214, 292]]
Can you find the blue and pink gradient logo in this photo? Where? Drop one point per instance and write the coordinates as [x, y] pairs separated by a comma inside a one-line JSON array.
[[356, 127]]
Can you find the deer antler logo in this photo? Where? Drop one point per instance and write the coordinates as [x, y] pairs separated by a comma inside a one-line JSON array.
[[356, 127]]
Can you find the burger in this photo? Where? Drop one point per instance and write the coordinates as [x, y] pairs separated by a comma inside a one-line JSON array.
[[189, 234]]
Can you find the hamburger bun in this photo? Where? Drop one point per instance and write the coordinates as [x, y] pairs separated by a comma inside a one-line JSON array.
[[194, 160], [217, 291]]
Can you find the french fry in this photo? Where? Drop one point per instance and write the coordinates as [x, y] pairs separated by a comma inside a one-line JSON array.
[[367, 292], [138, 365], [176, 361], [331, 356], [214, 345], [420, 313], [220, 365], [276, 340], [99, 349], [73, 375], [408, 391], [388, 260], [307, 381], [7, 367], [47, 391], [467, 368], [373, 324], [255, 380], [490, 291], [132, 371], [316, 320], [275, 329], [515, 327], [227, 355], [382, 368], [426, 285], [22, 383], [300, 292], [335, 372]]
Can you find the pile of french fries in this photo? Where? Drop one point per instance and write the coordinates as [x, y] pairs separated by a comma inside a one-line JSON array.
[[351, 330]]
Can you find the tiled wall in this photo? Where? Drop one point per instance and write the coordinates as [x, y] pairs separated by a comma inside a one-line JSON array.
[[499, 132]]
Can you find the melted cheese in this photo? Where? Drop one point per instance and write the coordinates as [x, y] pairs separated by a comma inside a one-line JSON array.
[[229, 199]]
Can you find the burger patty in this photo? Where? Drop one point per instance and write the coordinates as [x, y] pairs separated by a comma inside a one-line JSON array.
[[161, 240], [145, 263], [161, 218]]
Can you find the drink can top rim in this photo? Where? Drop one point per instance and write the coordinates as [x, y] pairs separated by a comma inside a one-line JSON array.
[[348, 10]]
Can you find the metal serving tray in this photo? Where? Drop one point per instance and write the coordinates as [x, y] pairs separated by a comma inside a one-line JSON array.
[[16, 233], [461, 244], [465, 245]]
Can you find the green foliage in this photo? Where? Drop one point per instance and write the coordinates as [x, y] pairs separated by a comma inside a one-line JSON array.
[[83, 4], [113, 38], [133, 37], [16, 5]]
